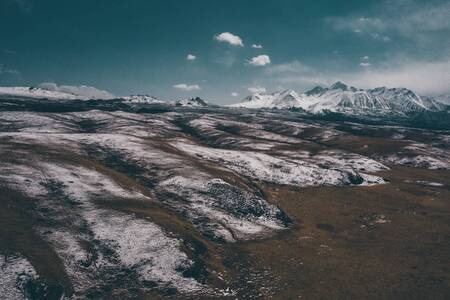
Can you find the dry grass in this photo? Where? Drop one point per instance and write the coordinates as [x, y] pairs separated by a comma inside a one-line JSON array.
[[329, 255]]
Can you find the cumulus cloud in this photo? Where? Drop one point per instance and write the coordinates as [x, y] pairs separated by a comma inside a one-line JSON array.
[[191, 57], [257, 46], [187, 87], [234, 94], [260, 60], [78, 90], [257, 89], [227, 37]]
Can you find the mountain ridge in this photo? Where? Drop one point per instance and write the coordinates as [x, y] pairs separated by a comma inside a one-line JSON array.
[[340, 97]]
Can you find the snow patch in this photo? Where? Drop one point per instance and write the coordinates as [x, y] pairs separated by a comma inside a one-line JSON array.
[[268, 168], [15, 272], [233, 213]]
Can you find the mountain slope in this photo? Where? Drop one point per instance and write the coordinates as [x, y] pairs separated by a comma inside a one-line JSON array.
[[342, 98], [110, 200], [38, 93], [197, 101], [142, 99]]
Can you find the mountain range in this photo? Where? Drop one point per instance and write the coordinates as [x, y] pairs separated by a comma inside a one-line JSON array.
[[340, 97], [42, 93], [139, 198]]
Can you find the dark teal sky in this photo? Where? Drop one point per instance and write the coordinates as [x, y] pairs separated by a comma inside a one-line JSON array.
[[141, 46]]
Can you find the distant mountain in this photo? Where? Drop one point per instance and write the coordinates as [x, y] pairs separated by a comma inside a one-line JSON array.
[[445, 99], [142, 99], [42, 93], [38, 93], [284, 99], [340, 97], [197, 101]]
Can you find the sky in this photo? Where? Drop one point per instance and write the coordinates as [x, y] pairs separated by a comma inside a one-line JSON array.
[[223, 51]]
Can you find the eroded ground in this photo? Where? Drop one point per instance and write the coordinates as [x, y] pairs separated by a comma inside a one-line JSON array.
[[218, 203]]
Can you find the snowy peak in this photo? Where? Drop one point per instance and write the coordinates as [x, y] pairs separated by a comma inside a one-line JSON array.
[[402, 98], [142, 99], [284, 100], [197, 101], [287, 98], [342, 86], [289, 94], [340, 97], [316, 91], [338, 85]]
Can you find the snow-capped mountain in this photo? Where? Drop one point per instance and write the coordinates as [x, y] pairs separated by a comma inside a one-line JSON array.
[[38, 93], [340, 97], [284, 99], [42, 93], [46, 94], [445, 99], [142, 99], [197, 101]]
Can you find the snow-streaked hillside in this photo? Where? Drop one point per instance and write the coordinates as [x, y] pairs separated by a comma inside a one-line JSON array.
[[284, 99], [129, 203], [197, 101], [142, 99], [38, 93], [340, 97], [48, 94], [445, 99]]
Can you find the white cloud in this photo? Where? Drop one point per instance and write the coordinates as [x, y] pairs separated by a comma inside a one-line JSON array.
[[191, 57], [419, 21], [229, 38], [79, 90], [257, 89], [260, 60], [424, 77], [427, 78], [257, 46], [13, 72], [234, 94], [294, 66], [7, 71], [422, 16], [363, 26], [187, 87], [357, 24], [295, 73], [365, 62]]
